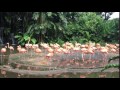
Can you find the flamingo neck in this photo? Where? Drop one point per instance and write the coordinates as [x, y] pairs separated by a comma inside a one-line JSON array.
[[8, 45]]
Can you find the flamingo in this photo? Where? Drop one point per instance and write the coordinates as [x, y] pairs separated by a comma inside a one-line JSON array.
[[90, 51], [27, 45], [113, 50], [56, 46], [76, 49], [3, 72], [58, 50], [38, 50], [66, 52], [105, 52], [83, 50], [77, 64], [50, 50], [35, 45], [98, 47], [19, 48], [82, 76], [3, 51], [23, 50], [49, 55], [10, 47], [45, 47]]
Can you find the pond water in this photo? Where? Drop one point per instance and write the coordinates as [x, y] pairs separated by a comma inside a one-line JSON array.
[[10, 74]]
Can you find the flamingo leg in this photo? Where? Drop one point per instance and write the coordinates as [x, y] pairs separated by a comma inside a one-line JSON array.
[[83, 57], [1, 59], [90, 57], [105, 57]]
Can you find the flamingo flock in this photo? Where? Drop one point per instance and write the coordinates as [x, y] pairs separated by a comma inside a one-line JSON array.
[[72, 53]]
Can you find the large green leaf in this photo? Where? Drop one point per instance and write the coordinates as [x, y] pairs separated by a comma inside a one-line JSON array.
[[33, 40], [26, 37], [29, 28], [18, 36], [49, 14]]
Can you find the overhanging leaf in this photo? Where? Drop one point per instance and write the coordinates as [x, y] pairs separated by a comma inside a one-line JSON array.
[[49, 14], [33, 40], [26, 38], [113, 58], [111, 66], [18, 36]]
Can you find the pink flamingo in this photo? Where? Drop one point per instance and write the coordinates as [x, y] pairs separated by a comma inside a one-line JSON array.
[[83, 50], [10, 47], [3, 72], [23, 50], [19, 48], [3, 51], [66, 52], [105, 52], [38, 50], [82, 76], [91, 52], [49, 55], [50, 50], [76, 49]]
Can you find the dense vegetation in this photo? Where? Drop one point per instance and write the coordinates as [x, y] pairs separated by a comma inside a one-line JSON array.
[[59, 27]]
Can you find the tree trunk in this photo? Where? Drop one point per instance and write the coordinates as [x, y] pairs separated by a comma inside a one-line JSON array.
[[105, 16]]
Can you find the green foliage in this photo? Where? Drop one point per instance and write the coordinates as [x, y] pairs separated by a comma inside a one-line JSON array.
[[25, 38], [62, 26], [60, 42], [35, 15], [33, 40], [112, 65], [113, 58], [113, 31]]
